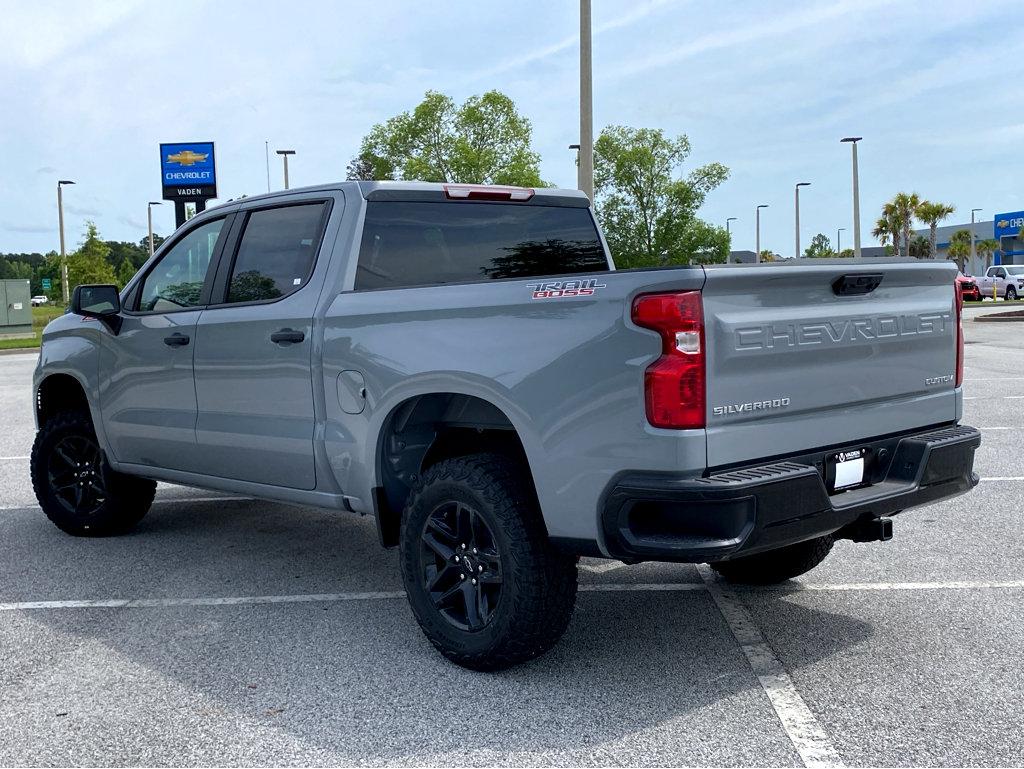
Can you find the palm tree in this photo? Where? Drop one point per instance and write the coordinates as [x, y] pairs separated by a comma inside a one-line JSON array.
[[986, 248], [882, 231], [888, 226], [960, 247], [931, 214], [919, 247], [904, 207]]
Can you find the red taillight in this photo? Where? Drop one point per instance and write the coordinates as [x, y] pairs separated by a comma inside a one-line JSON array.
[[486, 192], [674, 385], [959, 301]]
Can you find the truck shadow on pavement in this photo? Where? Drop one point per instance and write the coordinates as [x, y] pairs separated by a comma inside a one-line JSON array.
[[355, 681]]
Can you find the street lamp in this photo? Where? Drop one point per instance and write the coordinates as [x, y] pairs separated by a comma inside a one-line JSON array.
[[839, 249], [797, 209], [284, 154], [149, 215], [63, 255], [585, 173], [757, 232], [973, 249], [852, 140], [730, 219]]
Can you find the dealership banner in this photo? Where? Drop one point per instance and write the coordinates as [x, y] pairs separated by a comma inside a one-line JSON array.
[[188, 171], [1007, 225]]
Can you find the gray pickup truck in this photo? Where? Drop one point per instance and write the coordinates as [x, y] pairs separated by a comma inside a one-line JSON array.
[[465, 364]]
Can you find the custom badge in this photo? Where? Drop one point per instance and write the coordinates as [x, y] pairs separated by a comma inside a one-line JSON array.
[[561, 289]]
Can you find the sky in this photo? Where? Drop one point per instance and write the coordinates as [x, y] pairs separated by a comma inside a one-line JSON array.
[[767, 88]]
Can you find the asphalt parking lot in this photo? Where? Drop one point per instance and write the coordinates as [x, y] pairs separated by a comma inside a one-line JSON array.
[[230, 631]]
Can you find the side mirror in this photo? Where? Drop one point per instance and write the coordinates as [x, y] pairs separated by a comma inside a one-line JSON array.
[[98, 301]]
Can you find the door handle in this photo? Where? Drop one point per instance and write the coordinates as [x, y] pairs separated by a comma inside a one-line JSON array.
[[287, 336], [176, 340]]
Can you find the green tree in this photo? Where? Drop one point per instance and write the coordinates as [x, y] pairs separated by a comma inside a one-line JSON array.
[[125, 272], [959, 247], [920, 247], [89, 263], [846, 253], [931, 214], [986, 248], [483, 141], [359, 169], [887, 229], [144, 246], [903, 209], [649, 214], [821, 247], [767, 255]]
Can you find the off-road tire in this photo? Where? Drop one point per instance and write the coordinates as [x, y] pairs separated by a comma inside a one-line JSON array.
[[538, 583], [124, 500], [776, 566]]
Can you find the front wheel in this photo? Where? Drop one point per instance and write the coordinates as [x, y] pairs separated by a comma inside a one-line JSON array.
[[75, 486], [776, 566], [485, 584], [1011, 293]]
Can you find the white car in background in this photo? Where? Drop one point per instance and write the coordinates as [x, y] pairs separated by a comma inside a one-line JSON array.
[[39, 301], [1007, 279]]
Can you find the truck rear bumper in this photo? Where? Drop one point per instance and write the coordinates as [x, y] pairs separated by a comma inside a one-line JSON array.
[[741, 511]]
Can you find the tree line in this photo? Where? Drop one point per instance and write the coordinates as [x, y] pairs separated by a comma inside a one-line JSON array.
[[94, 261]]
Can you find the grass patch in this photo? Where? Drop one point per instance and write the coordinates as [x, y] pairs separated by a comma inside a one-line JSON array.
[[20, 344]]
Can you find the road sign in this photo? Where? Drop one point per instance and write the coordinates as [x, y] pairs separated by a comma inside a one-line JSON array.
[[46, 284]]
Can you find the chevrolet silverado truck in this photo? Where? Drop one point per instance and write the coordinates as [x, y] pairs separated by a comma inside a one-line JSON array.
[[465, 364], [1006, 281]]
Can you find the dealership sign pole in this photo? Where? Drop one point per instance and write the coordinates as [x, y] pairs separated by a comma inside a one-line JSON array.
[[188, 174]]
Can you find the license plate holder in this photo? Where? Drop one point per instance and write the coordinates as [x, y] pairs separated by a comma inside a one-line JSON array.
[[846, 470]]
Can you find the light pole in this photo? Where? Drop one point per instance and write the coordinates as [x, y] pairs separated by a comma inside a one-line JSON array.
[[852, 140], [585, 174], [973, 249], [149, 215], [839, 249], [266, 151], [730, 219], [797, 210], [757, 232], [63, 255], [284, 154]]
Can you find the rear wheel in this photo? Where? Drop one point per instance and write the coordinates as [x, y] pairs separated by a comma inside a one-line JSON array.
[[75, 486], [485, 584], [776, 565], [1011, 293]]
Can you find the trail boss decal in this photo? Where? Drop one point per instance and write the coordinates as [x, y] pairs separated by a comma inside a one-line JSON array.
[[560, 289]]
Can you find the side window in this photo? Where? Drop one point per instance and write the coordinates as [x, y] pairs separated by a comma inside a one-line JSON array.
[[176, 281], [1000, 273], [275, 255]]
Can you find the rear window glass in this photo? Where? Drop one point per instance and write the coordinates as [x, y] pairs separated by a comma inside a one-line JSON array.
[[419, 243], [276, 253]]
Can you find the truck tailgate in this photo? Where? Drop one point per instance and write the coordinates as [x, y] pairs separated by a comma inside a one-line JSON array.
[[797, 359]]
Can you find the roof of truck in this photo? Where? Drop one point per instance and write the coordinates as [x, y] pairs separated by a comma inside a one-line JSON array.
[[392, 190]]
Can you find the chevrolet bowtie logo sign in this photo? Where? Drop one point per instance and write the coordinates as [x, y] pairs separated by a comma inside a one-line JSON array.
[[187, 158], [1003, 224]]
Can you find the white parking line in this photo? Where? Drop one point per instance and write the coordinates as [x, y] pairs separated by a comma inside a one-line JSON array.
[[12, 459], [805, 732], [1004, 478], [590, 587]]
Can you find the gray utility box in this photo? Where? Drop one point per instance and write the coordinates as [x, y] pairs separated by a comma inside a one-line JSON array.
[[15, 308]]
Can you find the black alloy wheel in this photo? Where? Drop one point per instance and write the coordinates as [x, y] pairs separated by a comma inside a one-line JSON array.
[[461, 566], [74, 472]]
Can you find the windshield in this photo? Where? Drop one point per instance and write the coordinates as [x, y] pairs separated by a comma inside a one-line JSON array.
[[1016, 270]]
